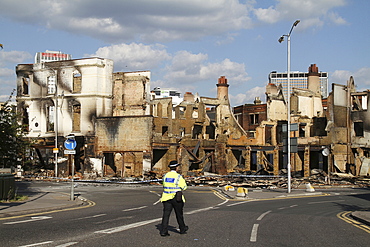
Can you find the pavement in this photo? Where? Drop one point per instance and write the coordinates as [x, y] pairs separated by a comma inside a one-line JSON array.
[[40, 202], [44, 201]]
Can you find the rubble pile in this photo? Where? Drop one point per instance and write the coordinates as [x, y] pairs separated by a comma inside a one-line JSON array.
[[318, 179]]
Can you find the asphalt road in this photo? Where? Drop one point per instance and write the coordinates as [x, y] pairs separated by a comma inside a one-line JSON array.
[[130, 216]]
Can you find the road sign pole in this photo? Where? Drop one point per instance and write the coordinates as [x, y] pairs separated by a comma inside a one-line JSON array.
[[70, 145], [73, 173]]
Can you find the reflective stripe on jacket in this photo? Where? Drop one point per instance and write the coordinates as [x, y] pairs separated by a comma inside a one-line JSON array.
[[172, 182]]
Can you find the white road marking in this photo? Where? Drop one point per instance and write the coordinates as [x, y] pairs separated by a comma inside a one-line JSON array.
[[263, 215], [155, 193], [131, 209], [67, 244], [199, 210], [37, 244], [223, 202], [146, 222], [129, 226], [254, 233], [89, 217], [237, 203], [292, 206], [30, 220], [159, 200]]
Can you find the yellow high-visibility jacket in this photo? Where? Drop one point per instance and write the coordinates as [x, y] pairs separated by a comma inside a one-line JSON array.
[[172, 182]]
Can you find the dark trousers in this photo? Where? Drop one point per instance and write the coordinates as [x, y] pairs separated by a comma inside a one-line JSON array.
[[167, 209]]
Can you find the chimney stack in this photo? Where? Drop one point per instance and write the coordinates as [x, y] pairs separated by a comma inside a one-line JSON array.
[[188, 97], [222, 88], [313, 80]]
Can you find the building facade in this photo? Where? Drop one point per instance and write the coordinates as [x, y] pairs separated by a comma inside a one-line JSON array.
[[51, 56], [63, 98], [122, 131]]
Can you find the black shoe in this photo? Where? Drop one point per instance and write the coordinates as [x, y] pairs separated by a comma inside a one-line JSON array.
[[185, 230], [165, 234]]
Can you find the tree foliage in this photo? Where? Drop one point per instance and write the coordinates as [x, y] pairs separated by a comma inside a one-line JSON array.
[[13, 143]]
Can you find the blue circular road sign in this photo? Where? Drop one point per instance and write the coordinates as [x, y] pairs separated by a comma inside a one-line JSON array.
[[70, 144]]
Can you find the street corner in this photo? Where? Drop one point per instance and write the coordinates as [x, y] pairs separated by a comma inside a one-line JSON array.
[[49, 203]]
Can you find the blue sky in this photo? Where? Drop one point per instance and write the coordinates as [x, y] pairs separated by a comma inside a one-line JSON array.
[[189, 44]]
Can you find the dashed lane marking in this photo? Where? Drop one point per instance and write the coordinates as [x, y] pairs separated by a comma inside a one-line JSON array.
[[263, 215], [67, 244], [254, 233], [37, 244], [132, 209]]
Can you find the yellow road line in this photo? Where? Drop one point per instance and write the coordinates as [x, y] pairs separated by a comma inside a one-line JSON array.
[[90, 204], [345, 216]]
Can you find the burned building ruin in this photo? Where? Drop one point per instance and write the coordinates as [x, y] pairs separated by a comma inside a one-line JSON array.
[[123, 130]]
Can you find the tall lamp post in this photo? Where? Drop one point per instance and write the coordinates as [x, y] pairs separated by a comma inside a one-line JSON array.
[[281, 39], [55, 149]]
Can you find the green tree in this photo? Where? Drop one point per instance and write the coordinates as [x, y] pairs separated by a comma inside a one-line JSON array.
[[13, 143]]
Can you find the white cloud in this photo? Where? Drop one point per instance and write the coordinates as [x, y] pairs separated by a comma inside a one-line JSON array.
[[269, 15], [185, 71], [336, 19], [134, 56], [310, 12], [195, 68], [361, 77], [7, 57], [5, 72], [340, 76], [118, 21], [248, 96]]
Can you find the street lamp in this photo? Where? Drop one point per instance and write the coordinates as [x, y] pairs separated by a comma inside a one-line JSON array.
[[281, 39], [55, 149]]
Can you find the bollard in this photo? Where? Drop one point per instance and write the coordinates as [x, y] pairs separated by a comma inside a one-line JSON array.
[[309, 188], [242, 192], [229, 188]]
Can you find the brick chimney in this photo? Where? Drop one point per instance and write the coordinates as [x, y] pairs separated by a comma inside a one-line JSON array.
[[313, 80], [188, 97], [222, 88]]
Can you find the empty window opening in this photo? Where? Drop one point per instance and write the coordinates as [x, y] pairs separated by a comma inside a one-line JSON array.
[[210, 131], [182, 132], [77, 79], [197, 132], [195, 112], [76, 118], [50, 118], [25, 83], [254, 160], [164, 130], [268, 134], [25, 118], [302, 130], [109, 163], [359, 128], [254, 118]]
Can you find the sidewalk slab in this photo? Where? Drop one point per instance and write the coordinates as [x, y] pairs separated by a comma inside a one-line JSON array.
[[38, 202]]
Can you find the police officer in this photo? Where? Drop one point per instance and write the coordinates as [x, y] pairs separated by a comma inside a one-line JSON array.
[[172, 198]]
